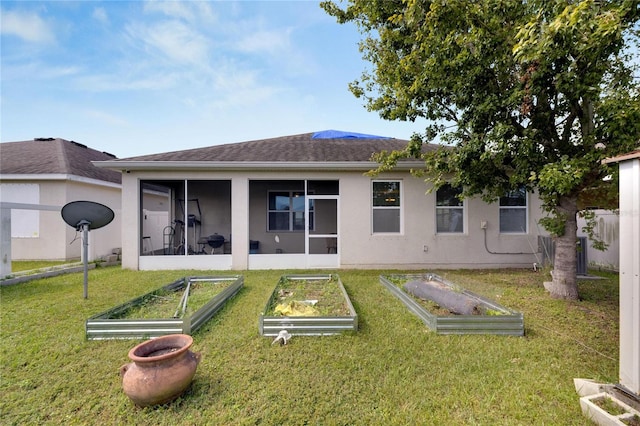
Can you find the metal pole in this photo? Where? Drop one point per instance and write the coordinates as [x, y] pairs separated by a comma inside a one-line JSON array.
[[5, 242], [85, 255]]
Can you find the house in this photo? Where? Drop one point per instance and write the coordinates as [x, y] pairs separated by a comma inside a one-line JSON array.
[[305, 201], [44, 174]]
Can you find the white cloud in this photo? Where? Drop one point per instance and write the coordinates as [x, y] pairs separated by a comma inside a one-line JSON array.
[[265, 42], [188, 11], [37, 70], [174, 9], [120, 82], [173, 39], [241, 88], [274, 44], [100, 15], [106, 118], [223, 87], [27, 26], [53, 72]]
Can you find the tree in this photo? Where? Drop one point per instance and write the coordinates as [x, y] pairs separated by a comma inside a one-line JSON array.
[[530, 93]]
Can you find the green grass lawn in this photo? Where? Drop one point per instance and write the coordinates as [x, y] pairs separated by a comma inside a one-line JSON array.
[[35, 265], [392, 371]]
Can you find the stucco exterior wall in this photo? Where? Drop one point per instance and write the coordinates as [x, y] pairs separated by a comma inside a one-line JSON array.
[[101, 241], [55, 236], [130, 225], [417, 246], [48, 244]]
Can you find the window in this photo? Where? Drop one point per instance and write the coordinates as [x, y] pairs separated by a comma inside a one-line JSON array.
[[449, 210], [513, 211], [386, 206], [286, 211]]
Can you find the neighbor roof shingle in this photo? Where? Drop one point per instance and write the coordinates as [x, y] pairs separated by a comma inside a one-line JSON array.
[[54, 156]]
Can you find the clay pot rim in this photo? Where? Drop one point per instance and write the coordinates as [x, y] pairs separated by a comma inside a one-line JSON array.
[[180, 341]]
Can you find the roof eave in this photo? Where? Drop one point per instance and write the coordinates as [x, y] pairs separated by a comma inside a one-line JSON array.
[[57, 177], [624, 157], [251, 165]]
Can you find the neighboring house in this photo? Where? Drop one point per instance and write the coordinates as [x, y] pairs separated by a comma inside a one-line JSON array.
[[304, 201], [51, 172]]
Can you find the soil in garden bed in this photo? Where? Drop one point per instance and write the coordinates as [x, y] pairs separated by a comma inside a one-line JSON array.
[[313, 297], [616, 410], [609, 406], [167, 304]]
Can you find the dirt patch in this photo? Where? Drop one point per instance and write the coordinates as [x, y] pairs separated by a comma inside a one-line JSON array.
[[312, 297]]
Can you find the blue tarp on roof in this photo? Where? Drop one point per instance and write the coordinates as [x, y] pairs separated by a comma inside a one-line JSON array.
[[338, 134]]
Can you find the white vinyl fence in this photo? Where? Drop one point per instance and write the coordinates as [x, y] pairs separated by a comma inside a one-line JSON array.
[[608, 230]]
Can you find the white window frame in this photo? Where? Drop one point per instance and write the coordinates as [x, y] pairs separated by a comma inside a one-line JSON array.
[[400, 207], [291, 211], [463, 214], [526, 215]]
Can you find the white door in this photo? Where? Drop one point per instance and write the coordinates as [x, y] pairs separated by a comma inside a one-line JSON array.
[[153, 224]]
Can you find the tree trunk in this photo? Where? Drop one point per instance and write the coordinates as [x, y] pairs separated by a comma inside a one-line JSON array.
[[564, 284]]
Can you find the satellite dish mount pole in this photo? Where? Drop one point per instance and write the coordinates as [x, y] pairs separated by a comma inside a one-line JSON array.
[[84, 226], [81, 215]]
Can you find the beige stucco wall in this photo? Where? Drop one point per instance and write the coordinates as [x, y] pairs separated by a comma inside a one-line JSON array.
[[55, 236], [50, 242], [417, 246], [101, 241], [130, 225]]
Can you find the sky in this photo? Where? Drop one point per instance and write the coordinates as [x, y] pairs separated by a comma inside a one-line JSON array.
[[142, 77]]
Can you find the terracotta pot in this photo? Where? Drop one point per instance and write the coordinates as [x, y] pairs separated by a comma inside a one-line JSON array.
[[162, 370]]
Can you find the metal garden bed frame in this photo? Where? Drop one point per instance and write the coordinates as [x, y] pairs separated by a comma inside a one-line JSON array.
[[509, 322], [104, 326], [308, 325]]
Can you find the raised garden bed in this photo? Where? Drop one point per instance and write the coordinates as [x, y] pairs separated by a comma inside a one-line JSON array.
[[308, 305], [481, 315], [177, 308]]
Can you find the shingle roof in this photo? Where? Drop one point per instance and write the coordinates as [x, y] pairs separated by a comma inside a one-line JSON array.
[[295, 148], [54, 156]]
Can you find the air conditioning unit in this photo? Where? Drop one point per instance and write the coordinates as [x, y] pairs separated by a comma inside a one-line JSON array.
[[548, 248]]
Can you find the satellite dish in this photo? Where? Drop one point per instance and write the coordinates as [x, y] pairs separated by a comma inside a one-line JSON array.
[[78, 213], [82, 216]]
